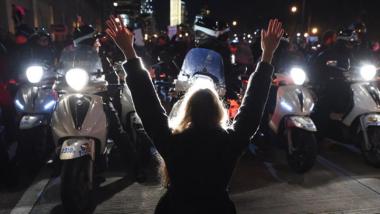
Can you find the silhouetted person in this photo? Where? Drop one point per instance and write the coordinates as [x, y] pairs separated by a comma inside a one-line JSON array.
[[200, 152]]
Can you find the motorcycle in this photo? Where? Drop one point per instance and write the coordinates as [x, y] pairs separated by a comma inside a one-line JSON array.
[[202, 68], [80, 124], [360, 122], [35, 101], [289, 121]]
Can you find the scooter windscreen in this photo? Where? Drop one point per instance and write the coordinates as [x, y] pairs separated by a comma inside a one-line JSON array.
[[80, 57], [201, 62]]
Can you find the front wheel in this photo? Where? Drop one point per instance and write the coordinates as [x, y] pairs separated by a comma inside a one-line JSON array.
[[371, 154], [76, 184], [302, 153]]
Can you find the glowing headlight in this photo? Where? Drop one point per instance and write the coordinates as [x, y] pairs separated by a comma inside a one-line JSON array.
[[368, 72], [34, 74], [203, 82], [298, 75], [77, 78]]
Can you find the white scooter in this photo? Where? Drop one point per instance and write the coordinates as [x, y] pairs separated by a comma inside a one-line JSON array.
[[79, 125], [290, 123], [361, 123]]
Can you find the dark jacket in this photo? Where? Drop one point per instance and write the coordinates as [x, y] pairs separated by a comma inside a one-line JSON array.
[[200, 163]]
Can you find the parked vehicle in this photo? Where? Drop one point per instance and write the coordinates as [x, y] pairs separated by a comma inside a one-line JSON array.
[[35, 101], [360, 123], [289, 123]]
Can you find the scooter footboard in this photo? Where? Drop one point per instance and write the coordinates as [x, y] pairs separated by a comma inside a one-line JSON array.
[[301, 122], [31, 121], [76, 148]]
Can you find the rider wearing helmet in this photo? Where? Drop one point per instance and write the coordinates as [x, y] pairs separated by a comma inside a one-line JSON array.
[[84, 35], [41, 48], [211, 34], [333, 92], [135, 155]]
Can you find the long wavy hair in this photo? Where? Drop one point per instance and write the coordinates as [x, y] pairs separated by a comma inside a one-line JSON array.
[[201, 108]]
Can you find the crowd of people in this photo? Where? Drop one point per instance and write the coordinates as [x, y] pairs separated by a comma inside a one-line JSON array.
[[200, 153]]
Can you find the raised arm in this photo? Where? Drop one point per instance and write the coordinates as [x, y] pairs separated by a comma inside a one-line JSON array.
[[147, 103], [248, 118]]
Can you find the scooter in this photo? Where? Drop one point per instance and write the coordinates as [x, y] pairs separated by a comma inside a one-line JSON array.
[[35, 101], [360, 124], [80, 124], [289, 121]]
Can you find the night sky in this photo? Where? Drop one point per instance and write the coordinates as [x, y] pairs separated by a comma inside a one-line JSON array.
[[324, 14]]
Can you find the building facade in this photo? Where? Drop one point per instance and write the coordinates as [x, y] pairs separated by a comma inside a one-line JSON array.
[[45, 13]]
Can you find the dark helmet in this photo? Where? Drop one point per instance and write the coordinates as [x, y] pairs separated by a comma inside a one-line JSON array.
[[205, 29], [84, 34], [206, 25], [39, 34]]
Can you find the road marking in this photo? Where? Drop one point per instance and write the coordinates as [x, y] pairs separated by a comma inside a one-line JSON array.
[[345, 173], [273, 171], [32, 194], [347, 146]]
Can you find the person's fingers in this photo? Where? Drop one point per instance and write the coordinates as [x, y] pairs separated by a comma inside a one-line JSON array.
[[272, 26], [119, 23], [269, 26], [262, 34], [111, 27], [110, 34], [281, 33], [279, 27], [113, 23]]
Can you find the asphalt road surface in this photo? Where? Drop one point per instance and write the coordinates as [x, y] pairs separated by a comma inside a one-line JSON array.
[[340, 182]]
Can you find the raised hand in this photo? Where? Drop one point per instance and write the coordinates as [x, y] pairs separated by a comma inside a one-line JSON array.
[[121, 36], [270, 39]]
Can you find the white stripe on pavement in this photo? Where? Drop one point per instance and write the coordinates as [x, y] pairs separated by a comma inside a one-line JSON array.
[[345, 173], [32, 194]]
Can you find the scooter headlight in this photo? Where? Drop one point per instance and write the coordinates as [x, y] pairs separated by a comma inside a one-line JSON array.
[[368, 72], [298, 75], [77, 78], [34, 73]]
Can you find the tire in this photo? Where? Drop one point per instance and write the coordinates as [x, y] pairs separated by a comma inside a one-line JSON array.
[[372, 156], [77, 185], [305, 148]]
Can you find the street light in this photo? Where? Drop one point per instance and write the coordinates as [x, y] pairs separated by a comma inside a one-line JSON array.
[[314, 30], [234, 23], [115, 4], [306, 35], [294, 9]]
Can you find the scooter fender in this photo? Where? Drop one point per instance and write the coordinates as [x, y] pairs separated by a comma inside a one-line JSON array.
[[76, 148], [32, 121], [301, 122]]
